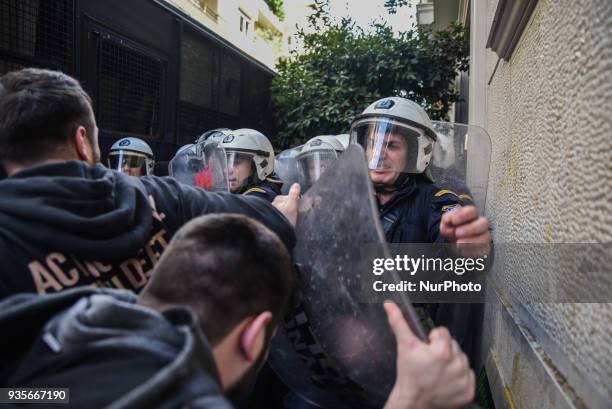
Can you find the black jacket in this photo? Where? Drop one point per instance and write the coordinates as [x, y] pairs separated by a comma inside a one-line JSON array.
[[413, 215], [267, 190], [107, 350], [67, 224]]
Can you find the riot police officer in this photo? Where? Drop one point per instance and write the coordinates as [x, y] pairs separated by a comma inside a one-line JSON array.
[[398, 138], [132, 156], [250, 164], [315, 157]]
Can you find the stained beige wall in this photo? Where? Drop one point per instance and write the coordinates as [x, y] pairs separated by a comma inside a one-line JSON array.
[[549, 113], [227, 25]]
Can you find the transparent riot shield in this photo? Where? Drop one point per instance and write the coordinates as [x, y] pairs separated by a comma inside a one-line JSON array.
[[461, 160], [286, 167], [208, 170], [333, 350]]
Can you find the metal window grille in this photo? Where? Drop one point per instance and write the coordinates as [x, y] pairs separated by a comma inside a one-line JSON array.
[[37, 33], [230, 85], [198, 79], [194, 121], [258, 98], [130, 93], [8, 66]]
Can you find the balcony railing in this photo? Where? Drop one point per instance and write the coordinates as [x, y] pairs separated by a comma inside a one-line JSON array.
[[206, 9]]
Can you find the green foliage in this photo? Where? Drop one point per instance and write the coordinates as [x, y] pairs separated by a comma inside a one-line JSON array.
[[277, 8], [393, 5], [344, 69], [270, 36]]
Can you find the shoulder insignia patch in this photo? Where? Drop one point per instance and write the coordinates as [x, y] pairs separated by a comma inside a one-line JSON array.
[[451, 208], [254, 190], [445, 192]]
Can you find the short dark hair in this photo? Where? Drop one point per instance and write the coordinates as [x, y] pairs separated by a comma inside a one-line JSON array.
[[224, 267], [39, 111]]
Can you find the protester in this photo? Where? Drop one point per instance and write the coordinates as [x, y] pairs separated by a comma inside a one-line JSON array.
[[66, 220], [200, 329]]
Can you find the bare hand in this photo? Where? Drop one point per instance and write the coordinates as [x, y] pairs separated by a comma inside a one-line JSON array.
[[464, 227], [289, 205], [429, 376]]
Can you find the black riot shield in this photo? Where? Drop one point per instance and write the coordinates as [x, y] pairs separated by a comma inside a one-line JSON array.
[[461, 160], [333, 350]]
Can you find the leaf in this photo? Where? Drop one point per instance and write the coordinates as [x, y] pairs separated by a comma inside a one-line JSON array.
[[344, 68]]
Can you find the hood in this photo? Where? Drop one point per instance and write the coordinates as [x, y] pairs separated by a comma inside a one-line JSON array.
[[88, 326], [82, 210]]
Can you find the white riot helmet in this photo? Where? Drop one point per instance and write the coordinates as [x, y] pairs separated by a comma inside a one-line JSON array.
[[392, 125], [316, 155], [249, 144], [132, 156], [190, 149], [215, 135], [345, 139], [331, 140]]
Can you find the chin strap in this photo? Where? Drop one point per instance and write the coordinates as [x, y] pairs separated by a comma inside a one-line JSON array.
[[402, 180]]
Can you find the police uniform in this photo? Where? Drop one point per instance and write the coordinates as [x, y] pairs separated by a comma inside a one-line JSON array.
[[413, 215], [268, 189], [254, 145]]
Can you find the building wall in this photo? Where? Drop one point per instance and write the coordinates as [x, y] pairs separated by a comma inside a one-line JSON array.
[[227, 25], [548, 111]]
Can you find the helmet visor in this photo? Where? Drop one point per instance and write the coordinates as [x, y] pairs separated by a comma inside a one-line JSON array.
[[392, 146], [312, 164], [286, 168], [185, 166], [128, 162], [240, 170], [208, 171], [215, 177]]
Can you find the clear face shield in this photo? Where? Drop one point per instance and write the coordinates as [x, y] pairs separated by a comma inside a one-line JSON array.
[[184, 166], [392, 147], [313, 163], [240, 170], [130, 163], [207, 170], [286, 167]]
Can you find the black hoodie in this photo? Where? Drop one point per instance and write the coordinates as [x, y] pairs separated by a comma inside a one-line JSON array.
[[68, 224], [109, 351]]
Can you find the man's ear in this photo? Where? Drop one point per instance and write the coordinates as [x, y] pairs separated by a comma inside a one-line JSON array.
[[254, 335], [82, 145]]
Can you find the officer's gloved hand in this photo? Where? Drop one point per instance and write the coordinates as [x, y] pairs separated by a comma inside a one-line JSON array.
[[436, 375], [289, 205], [471, 232]]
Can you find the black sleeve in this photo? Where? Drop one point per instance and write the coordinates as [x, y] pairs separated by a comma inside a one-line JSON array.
[[187, 202], [443, 201]]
